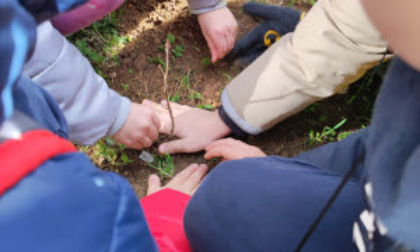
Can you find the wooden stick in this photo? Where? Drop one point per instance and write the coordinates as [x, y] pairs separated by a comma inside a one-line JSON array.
[[165, 85]]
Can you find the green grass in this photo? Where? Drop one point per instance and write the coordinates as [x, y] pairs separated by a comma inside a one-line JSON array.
[[101, 41], [293, 2], [157, 60], [327, 134], [164, 164]]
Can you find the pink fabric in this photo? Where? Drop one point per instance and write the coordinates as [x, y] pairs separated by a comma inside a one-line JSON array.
[[85, 15]]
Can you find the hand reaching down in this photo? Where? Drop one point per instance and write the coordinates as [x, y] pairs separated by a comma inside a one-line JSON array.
[[140, 128], [187, 181], [230, 149], [195, 127], [220, 28]]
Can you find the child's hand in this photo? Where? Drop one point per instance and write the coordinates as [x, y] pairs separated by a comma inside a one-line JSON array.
[[220, 28], [230, 149], [140, 128], [187, 181], [195, 127]]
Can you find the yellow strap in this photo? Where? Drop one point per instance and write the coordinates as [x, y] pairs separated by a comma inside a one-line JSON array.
[[267, 41]]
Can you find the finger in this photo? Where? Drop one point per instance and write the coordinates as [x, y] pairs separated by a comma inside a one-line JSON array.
[[153, 184], [213, 50], [163, 119], [227, 45], [222, 47], [178, 146], [230, 42], [195, 178], [181, 177], [225, 141], [153, 133], [145, 142], [155, 121], [219, 151]]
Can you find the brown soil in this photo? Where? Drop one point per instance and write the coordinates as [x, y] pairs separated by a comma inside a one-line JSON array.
[[147, 22]]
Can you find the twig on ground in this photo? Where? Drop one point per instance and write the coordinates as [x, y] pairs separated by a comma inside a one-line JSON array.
[[165, 85]]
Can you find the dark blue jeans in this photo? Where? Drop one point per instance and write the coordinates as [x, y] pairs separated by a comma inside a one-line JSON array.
[[267, 204]]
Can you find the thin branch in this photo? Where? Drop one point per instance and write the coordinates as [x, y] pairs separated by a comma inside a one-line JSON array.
[[165, 85]]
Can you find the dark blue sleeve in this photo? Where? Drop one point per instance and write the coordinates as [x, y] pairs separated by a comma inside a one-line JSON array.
[[67, 204]]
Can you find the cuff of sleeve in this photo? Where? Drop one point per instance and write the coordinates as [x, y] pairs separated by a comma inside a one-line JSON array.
[[164, 211], [197, 11], [122, 115], [234, 117], [237, 132]]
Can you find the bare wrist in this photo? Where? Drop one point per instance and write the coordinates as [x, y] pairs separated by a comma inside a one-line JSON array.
[[221, 125]]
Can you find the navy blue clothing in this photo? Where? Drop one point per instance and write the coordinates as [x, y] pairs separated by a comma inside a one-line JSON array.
[[39, 105], [68, 204], [267, 204]]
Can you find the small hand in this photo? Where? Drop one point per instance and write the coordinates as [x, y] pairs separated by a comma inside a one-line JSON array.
[[220, 28], [230, 149], [195, 127], [187, 181], [140, 128]]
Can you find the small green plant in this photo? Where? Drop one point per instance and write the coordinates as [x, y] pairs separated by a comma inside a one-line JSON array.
[[87, 51], [157, 60], [125, 86], [194, 95], [130, 71], [171, 38], [344, 134], [328, 133], [206, 106], [178, 51], [185, 81], [312, 109], [174, 98], [111, 152], [205, 61], [227, 76], [164, 164], [102, 34]]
